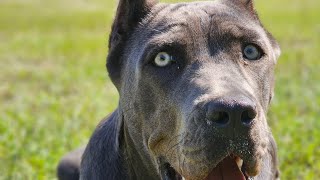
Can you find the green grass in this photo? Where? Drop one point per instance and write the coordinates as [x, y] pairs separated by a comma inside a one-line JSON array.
[[54, 86]]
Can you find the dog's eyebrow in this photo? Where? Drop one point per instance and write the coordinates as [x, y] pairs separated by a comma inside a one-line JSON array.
[[234, 25], [229, 33], [163, 27], [239, 32]]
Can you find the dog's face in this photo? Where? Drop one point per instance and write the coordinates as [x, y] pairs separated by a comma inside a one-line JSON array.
[[195, 81]]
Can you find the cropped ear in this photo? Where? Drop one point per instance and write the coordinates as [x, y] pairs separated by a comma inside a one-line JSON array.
[[129, 14], [247, 5]]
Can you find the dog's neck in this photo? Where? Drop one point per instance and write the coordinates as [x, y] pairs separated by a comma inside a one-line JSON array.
[[137, 165], [114, 143]]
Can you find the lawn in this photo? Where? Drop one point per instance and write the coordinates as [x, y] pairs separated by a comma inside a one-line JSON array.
[[54, 86]]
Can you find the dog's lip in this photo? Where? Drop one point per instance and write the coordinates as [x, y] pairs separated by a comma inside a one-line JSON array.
[[248, 170], [251, 167]]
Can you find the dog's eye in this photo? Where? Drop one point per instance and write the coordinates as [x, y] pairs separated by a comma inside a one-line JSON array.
[[163, 59], [252, 52]]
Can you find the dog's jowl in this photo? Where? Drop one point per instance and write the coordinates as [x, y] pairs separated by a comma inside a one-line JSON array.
[[195, 81]]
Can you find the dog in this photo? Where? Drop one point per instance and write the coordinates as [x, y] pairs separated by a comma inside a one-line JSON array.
[[195, 81]]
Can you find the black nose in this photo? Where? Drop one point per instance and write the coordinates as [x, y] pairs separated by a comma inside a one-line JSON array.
[[232, 115]]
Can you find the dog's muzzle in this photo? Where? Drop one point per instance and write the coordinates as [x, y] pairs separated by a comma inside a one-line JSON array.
[[230, 119]]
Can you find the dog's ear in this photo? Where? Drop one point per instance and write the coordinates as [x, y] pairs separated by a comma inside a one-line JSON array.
[[247, 5], [129, 14]]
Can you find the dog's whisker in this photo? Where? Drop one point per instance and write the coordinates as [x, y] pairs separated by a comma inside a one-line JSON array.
[[172, 140]]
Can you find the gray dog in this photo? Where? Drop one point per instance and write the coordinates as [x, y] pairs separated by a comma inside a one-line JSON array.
[[195, 82]]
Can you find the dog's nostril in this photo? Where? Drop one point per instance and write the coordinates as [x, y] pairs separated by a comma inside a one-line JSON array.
[[220, 118], [248, 116]]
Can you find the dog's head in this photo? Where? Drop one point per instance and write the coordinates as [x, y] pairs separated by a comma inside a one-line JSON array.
[[195, 81]]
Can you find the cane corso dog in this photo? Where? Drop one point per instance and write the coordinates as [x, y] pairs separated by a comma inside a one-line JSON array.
[[195, 81]]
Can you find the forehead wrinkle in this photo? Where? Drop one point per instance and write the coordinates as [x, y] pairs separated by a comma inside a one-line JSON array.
[[236, 29], [199, 21], [161, 21], [196, 25], [181, 25], [181, 13], [170, 16], [174, 35]]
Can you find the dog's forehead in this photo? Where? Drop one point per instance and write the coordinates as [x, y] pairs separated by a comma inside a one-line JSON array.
[[207, 13], [195, 22], [190, 10]]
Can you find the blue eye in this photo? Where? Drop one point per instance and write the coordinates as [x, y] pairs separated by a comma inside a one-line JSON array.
[[163, 59], [252, 52]]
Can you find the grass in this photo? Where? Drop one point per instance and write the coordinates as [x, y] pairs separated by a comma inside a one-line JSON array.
[[54, 86]]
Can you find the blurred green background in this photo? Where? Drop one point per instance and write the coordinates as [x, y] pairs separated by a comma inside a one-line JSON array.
[[54, 87]]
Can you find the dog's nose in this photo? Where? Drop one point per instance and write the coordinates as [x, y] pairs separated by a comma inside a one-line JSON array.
[[231, 115]]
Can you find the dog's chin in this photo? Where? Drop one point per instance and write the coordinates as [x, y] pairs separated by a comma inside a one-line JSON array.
[[231, 167]]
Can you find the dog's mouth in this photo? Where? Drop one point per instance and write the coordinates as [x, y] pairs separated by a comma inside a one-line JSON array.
[[231, 167]]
